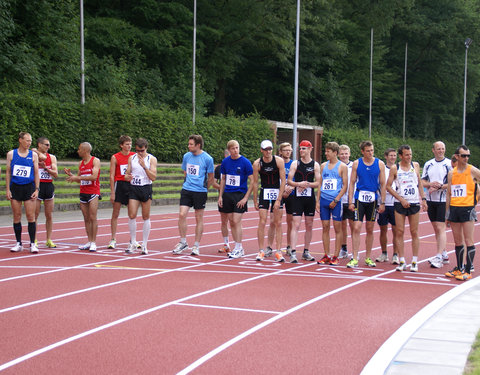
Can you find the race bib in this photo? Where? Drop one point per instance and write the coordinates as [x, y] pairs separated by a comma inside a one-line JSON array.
[[85, 182], [305, 193], [459, 191], [22, 171], [136, 180], [123, 169], [329, 184], [366, 196], [193, 169], [270, 194], [44, 175], [232, 180], [409, 190]]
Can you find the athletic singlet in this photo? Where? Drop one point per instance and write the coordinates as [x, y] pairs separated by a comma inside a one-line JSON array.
[[139, 176], [463, 188], [44, 175], [345, 196], [407, 184], [87, 186], [122, 164], [22, 168], [434, 170], [332, 182], [269, 174], [367, 181], [389, 199], [305, 172]]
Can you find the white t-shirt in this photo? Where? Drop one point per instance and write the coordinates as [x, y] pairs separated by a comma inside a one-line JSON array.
[[434, 170]]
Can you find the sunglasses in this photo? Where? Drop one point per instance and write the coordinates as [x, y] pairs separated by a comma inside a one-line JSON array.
[[464, 155], [137, 150]]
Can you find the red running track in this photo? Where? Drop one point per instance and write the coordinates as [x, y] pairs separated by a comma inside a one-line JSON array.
[[68, 311]]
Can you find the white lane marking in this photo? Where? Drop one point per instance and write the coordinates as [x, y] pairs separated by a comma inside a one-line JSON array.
[[228, 308]]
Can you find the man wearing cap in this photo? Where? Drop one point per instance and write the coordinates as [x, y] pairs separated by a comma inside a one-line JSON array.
[[198, 169], [271, 170], [236, 185], [304, 175]]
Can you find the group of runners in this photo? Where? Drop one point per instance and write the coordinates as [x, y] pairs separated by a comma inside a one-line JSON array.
[[347, 193]]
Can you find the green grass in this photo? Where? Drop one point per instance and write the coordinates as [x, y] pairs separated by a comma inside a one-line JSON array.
[[473, 364]]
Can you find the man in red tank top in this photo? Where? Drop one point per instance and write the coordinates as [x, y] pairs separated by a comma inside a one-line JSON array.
[[119, 188], [88, 177], [47, 168]]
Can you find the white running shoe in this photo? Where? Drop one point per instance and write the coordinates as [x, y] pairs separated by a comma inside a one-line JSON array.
[[436, 262], [382, 258], [93, 247], [85, 247], [144, 250], [33, 248], [138, 245], [414, 267], [293, 257], [402, 266], [343, 254], [395, 259], [17, 248], [195, 250], [236, 253], [180, 247], [131, 248], [112, 244], [445, 258]]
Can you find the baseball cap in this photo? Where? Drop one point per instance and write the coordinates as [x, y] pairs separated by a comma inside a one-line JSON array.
[[266, 144], [305, 143]]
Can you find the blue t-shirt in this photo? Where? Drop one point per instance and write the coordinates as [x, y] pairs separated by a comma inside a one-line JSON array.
[[197, 168], [22, 168], [236, 172]]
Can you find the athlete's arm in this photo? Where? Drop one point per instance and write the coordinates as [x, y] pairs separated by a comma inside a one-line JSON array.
[[152, 171], [351, 187], [222, 188], [37, 175], [256, 167], [8, 174], [448, 196], [421, 193], [283, 180], [381, 180], [244, 200], [54, 170], [113, 167]]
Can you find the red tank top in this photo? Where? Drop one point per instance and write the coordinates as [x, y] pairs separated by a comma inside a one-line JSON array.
[[122, 164], [89, 187], [44, 175]]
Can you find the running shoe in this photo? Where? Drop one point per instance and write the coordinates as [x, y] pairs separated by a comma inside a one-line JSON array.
[[454, 273], [131, 248], [343, 253], [395, 259], [289, 250], [306, 256], [414, 267], [382, 258], [279, 257], [236, 253], [260, 255], [224, 249], [180, 247], [464, 276], [50, 244], [436, 262], [17, 248], [325, 260], [268, 251], [85, 247], [36, 242], [334, 261], [93, 247], [353, 263], [33, 248], [112, 244], [369, 262], [138, 245], [293, 258], [472, 268], [402, 266], [195, 250], [445, 259], [144, 250]]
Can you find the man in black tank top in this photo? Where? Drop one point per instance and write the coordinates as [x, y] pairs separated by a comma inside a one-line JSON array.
[[304, 175], [271, 170]]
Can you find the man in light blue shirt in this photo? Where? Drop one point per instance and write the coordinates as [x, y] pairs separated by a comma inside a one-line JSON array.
[[198, 169]]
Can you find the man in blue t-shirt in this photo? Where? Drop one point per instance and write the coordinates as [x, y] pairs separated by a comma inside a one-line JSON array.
[[198, 169], [236, 186]]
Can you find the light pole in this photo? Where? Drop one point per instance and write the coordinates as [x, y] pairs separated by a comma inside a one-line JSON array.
[[194, 59], [405, 89], [371, 86], [468, 41], [295, 90], [82, 57]]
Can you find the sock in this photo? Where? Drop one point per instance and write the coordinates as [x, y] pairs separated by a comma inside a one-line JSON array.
[[305, 250], [238, 245], [197, 244], [402, 259], [294, 251], [132, 226], [384, 252], [32, 229], [344, 246], [17, 228], [183, 240], [470, 256], [459, 251], [146, 232], [414, 259], [225, 240]]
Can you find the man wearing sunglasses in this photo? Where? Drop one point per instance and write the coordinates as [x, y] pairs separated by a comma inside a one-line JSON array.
[[460, 211]]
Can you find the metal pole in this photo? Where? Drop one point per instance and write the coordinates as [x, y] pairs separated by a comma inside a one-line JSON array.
[[82, 57], [194, 58], [295, 95], [468, 41], [405, 89], [371, 85]]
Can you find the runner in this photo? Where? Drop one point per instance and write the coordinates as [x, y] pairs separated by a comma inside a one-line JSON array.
[[285, 150], [408, 195], [88, 177], [370, 172], [22, 185], [304, 175], [119, 188], [347, 215], [388, 216], [460, 211], [141, 171], [198, 170], [47, 168], [434, 178], [236, 171], [223, 216], [271, 170]]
